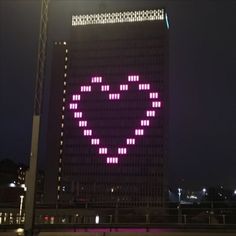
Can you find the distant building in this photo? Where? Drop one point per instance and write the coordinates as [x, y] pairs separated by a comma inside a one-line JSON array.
[[108, 112], [13, 182]]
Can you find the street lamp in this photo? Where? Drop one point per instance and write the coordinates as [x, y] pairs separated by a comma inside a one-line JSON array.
[[21, 206], [179, 193]]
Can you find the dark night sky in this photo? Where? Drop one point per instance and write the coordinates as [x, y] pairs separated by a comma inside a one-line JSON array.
[[202, 80]]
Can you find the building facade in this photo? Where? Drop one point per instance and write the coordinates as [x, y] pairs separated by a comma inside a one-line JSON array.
[[108, 112]]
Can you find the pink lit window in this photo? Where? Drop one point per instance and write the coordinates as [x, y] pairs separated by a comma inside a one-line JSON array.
[[133, 78], [102, 150], [82, 123], [122, 151], [124, 87], [105, 88], [95, 141], [144, 122], [144, 86], [85, 88], [153, 95], [87, 132], [96, 80], [112, 160], [156, 104], [76, 97], [114, 96], [150, 113], [78, 115], [73, 106], [139, 132], [130, 141]]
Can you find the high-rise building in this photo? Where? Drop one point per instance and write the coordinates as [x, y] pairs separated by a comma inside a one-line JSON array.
[[108, 112]]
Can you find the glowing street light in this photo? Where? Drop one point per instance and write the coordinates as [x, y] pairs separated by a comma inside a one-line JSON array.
[[21, 206], [179, 193]]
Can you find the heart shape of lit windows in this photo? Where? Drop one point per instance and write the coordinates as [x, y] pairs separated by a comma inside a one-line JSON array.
[[144, 122]]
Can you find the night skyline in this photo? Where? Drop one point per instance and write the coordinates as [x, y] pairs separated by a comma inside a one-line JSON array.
[[202, 98]]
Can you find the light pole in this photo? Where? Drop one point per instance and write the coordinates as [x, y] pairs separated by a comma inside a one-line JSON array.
[[21, 206]]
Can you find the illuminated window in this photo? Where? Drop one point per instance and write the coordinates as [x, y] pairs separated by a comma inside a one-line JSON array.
[[82, 123], [144, 86], [87, 132], [66, 58], [130, 141], [65, 75], [133, 78], [156, 104], [124, 87], [95, 141], [96, 80], [76, 97], [153, 95], [85, 88], [139, 132], [144, 122], [73, 106], [105, 88], [114, 96], [102, 150], [78, 115], [150, 113], [112, 160], [122, 151]]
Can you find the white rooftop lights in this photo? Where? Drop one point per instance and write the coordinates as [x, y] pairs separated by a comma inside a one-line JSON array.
[[118, 17]]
